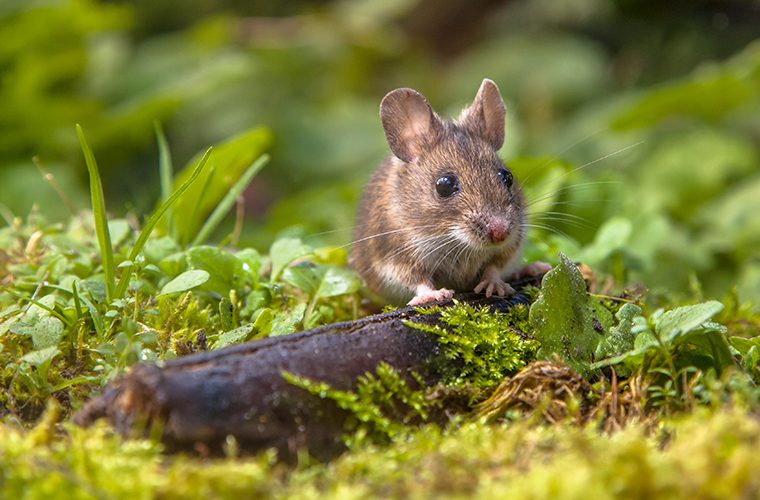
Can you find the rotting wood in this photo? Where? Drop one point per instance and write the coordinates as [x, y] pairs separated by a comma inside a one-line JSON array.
[[199, 400]]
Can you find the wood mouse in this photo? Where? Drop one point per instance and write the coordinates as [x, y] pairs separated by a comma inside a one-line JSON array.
[[442, 212]]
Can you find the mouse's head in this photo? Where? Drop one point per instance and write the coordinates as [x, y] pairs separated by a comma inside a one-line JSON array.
[[449, 173]]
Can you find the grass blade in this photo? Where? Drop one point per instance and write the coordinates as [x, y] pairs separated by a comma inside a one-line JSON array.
[[99, 214], [228, 201], [166, 174], [201, 195], [77, 303], [94, 314], [39, 304], [142, 238], [232, 157]]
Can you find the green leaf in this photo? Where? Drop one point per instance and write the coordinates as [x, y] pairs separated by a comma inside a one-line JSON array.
[[230, 160], [322, 281], [99, 214], [165, 168], [564, 317], [751, 359], [712, 160], [706, 95], [45, 331], [286, 322], [620, 337], [228, 201], [227, 314], [251, 260], [235, 336], [41, 356], [226, 271], [283, 252], [306, 277], [644, 340], [706, 348], [263, 322], [743, 344], [338, 281], [186, 281], [48, 333], [97, 322], [685, 319]]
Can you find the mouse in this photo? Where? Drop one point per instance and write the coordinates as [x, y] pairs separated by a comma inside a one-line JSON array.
[[442, 213]]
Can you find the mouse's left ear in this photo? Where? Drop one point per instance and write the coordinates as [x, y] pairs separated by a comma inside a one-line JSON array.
[[485, 116]]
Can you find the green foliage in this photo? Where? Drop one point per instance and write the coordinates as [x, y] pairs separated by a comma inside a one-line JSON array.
[[186, 281], [669, 332], [283, 252], [151, 223], [67, 322], [710, 94], [575, 325], [232, 166], [225, 204], [321, 282], [45, 60], [566, 320], [621, 337], [674, 350]]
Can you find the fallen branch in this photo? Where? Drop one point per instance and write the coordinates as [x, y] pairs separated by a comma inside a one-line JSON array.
[[197, 401]]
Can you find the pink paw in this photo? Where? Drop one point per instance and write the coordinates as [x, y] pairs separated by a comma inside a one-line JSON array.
[[531, 270], [494, 287], [426, 296]]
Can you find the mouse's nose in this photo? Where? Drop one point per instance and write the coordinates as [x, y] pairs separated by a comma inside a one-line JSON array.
[[497, 230]]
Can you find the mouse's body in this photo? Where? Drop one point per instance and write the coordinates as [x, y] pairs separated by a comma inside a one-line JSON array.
[[442, 213]]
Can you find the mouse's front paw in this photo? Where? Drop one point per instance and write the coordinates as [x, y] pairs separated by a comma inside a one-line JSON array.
[[494, 286], [429, 295]]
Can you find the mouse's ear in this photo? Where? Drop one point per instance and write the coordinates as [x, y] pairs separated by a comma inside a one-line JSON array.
[[485, 116], [411, 126]]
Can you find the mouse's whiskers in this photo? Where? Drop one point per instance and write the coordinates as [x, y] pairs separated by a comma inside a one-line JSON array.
[[546, 227], [457, 245], [414, 249], [561, 217], [386, 233], [571, 187]]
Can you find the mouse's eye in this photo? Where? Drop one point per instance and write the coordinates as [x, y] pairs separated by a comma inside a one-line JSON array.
[[446, 186], [505, 176]]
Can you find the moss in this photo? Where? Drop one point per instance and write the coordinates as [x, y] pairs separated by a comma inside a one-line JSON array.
[[480, 346], [707, 455], [380, 408], [179, 321]]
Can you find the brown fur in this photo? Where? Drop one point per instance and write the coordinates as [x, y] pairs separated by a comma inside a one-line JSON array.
[[406, 234]]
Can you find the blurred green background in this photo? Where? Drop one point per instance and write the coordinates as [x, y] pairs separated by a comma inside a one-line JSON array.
[[635, 125]]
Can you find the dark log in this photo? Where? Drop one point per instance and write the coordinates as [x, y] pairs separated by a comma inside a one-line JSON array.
[[199, 400]]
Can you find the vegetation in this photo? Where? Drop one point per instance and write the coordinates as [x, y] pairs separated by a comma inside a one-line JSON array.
[[637, 140]]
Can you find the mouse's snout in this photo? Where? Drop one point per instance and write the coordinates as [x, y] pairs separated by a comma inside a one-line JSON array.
[[491, 229], [497, 230]]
